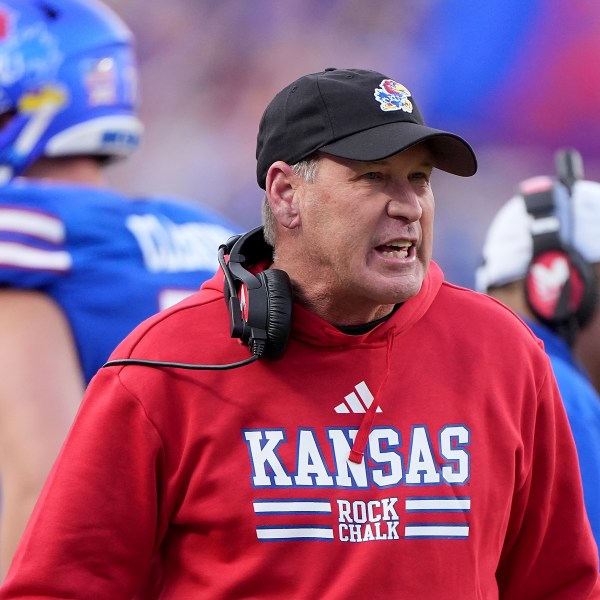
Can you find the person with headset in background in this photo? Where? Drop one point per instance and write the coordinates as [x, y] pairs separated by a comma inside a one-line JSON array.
[[326, 417], [541, 257], [80, 264]]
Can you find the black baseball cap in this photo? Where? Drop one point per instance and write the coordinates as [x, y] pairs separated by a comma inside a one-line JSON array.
[[351, 113]]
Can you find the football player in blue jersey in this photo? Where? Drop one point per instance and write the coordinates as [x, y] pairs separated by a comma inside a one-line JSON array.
[[80, 264]]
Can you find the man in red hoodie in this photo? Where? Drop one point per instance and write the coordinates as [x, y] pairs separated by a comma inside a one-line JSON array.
[[388, 434]]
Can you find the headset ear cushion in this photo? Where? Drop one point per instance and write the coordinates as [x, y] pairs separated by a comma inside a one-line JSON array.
[[279, 312], [588, 303], [574, 278]]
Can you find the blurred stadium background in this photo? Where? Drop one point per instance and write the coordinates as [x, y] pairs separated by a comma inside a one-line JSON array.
[[517, 78]]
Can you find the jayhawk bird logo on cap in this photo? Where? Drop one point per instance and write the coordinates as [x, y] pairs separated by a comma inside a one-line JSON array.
[[392, 95]]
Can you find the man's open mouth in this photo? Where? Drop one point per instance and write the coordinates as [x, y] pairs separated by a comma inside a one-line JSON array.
[[396, 249]]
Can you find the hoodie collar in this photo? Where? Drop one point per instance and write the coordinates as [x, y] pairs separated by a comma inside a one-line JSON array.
[[311, 329]]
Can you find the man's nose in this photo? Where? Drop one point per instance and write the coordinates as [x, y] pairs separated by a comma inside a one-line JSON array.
[[405, 205]]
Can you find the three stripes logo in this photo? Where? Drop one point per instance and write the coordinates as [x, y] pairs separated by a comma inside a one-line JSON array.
[[358, 402]]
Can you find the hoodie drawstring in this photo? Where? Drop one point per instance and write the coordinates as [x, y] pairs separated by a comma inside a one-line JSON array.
[[360, 441]]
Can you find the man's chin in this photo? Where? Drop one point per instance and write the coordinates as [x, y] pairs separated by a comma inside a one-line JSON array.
[[399, 288], [398, 293]]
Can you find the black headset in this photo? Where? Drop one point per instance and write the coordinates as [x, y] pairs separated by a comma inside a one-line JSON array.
[[555, 263], [260, 305]]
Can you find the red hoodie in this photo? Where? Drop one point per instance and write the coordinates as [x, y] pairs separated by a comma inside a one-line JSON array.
[[236, 484]]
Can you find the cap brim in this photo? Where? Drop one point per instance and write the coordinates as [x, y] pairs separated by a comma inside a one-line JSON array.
[[451, 153]]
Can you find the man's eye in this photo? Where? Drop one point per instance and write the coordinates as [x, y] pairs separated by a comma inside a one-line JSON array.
[[372, 175]]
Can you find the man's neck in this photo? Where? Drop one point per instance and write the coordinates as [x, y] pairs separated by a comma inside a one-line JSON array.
[[77, 169]]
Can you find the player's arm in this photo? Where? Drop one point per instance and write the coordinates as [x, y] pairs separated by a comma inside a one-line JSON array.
[[41, 386], [106, 505]]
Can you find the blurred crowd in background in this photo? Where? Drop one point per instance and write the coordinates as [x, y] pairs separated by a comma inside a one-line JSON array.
[[518, 78]]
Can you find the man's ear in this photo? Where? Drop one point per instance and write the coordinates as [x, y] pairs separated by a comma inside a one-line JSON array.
[[281, 189]]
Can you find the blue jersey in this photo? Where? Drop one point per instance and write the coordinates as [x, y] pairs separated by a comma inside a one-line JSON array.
[[582, 404], [108, 261]]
